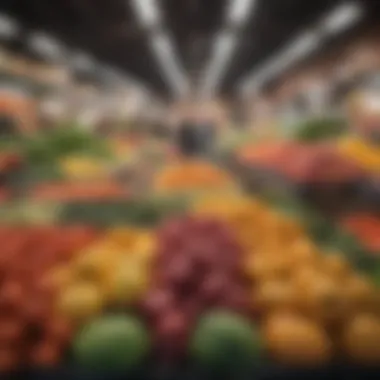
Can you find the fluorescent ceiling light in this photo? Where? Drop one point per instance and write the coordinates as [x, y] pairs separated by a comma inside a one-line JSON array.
[[164, 51], [342, 18], [117, 77], [146, 11], [240, 10], [302, 46], [46, 46], [338, 20], [225, 44], [298, 49], [149, 15], [8, 27], [82, 61], [222, 52]]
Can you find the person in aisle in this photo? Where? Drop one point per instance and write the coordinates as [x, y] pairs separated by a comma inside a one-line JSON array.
[[188, 138], [196, 135]]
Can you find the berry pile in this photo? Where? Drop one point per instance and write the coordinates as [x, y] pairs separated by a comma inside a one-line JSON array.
[[197, 268]]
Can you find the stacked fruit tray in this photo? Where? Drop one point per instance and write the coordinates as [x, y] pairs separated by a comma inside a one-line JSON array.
[[224, 287]]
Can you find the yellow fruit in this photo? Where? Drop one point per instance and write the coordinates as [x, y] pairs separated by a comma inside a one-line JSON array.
[[265, 267], [124, 237], [96, 262], [360, 292], [291, 231], [303, 275], [323, 298], [276, 295], [90, 266], [80, 302], [79, 167], [295, 340], [361, 337], [144, 248], [127, 284], [303, 251], [336, 265]]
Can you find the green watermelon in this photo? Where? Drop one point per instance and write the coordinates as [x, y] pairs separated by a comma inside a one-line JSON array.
[[225, 341], [112, 343]]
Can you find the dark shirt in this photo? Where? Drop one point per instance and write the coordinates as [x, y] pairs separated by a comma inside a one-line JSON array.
[[189, 139]]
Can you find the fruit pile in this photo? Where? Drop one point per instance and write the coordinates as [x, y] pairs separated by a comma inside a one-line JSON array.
[[112, 272], [312, 303], [31, 332], [229, 283], [196, 268]]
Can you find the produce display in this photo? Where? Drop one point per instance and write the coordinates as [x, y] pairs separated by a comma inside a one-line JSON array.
[[193, 270], [304, 163], [228, 284]]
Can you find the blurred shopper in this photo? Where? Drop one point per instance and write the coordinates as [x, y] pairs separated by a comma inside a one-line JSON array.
[[196, 137]]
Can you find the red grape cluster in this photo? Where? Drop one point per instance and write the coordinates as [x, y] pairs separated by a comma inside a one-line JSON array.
[[197, 268]]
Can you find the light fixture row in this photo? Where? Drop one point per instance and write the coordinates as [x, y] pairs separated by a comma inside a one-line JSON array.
[[337, 21], [226, 41], [54, 51], [149, 16]]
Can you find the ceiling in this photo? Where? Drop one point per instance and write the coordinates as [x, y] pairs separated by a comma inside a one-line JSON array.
[[109, 31]]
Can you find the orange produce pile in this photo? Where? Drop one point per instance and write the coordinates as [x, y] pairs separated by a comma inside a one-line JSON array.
[[191, 175]]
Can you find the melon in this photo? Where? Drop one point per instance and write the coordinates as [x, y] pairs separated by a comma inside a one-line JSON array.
[[225, 341], [112, 343]]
